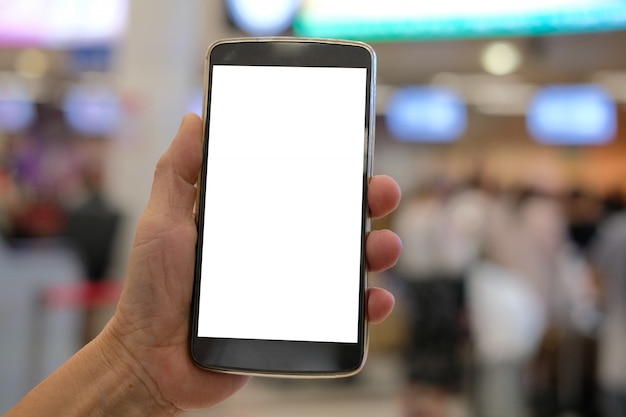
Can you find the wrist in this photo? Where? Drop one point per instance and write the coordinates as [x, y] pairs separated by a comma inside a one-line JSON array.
[[131, 389], [102, 379]]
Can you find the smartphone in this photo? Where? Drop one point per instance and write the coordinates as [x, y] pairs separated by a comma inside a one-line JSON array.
[[282, 213]]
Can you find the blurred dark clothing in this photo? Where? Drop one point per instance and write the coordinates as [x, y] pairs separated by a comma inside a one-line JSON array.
[[614, 404], [441, 238], [609, 257], [584, 211], [437, 332], [92, 227], [614, 202], [582, 234]]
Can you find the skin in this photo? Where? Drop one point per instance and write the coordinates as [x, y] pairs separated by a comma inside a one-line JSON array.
[[139, 364]]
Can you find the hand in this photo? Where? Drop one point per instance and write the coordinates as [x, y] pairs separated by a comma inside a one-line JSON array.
[[149, 331]]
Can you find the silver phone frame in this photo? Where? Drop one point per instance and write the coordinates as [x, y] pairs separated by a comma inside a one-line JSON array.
[[369, 151]]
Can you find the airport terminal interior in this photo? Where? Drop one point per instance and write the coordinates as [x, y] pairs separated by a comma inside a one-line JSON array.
[[504, 123]]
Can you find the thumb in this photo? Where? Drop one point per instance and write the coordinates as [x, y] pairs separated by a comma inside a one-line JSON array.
[[173, 189]]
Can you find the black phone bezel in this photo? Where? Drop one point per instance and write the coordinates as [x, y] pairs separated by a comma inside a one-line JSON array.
[[279, 357]]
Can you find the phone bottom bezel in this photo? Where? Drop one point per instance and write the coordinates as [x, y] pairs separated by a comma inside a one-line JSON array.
[[279, 358]]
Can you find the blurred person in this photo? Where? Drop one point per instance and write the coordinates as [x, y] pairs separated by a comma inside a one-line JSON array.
[[466, 217], [91, 226], [438, 241], [92, 223], [140, 364], [585, 212], [36, 177], [506, 313], [534, 246], [575, 315], [609, 259]]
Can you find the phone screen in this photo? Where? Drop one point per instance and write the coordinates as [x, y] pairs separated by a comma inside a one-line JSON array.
[[284, 204]]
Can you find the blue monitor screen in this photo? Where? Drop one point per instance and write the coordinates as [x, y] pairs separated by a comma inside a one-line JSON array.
[[426, 114], [92, 110], [572, 115], [17, 110]]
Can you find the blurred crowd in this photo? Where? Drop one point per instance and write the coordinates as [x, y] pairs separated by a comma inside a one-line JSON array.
[[51, 186], [52, 195], [516, 300]]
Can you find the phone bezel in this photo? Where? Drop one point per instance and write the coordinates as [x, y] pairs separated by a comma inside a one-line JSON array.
[[278, 357]]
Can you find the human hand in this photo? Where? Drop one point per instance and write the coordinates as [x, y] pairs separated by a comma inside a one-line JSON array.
[[150, 329]]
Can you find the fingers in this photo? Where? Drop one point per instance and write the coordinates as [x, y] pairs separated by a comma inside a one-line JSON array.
[[173, 189], [383, 249], [383, 195], [380, 302]]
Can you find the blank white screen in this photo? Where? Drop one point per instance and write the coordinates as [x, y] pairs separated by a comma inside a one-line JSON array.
[[281, 255]]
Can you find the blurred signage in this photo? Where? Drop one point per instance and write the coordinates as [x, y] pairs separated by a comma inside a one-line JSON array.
[[17, 109], [91, 58], [400, 19], [61, 23], [92, 110], [572, 115], [426, 114]]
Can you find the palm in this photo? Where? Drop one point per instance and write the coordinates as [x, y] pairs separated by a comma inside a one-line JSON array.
[[159, 314]]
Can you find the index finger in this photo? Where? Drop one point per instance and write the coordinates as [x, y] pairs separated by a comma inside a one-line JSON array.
[[383, 195]]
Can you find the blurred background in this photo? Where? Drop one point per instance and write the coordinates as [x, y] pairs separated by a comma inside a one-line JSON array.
[[503, 122]]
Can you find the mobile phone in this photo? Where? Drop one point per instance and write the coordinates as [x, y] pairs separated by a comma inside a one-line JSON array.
[[282, 211]]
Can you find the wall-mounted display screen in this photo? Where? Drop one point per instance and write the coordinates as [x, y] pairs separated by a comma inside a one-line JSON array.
[[442, 19], [426, 114], [92, 110], [17, 109], [572, 115]]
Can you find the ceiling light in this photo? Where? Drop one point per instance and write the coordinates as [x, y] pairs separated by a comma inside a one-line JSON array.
[[501, 58]]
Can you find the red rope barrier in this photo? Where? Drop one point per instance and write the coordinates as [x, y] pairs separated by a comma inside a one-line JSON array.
[[83, 295]]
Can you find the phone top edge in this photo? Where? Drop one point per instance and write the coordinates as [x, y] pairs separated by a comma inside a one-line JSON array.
[[291, 39]]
